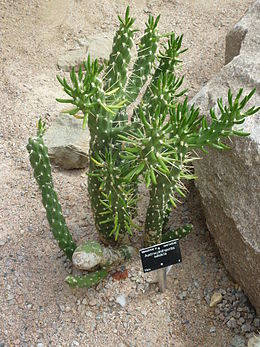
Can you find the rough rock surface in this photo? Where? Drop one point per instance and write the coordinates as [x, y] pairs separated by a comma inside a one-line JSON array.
[[98, 46], [67, 142], [229, 181]]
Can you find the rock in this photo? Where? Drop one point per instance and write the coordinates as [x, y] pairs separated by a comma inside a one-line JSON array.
[[99, 46], [212, 330], [67, 142], [93, 302], [256, 322], [238, 341], [215, 299], [2, 242], [121, 300], [232, 323], [246, 328], [254, 341], [183, 295], [72, 58], [229, 181]]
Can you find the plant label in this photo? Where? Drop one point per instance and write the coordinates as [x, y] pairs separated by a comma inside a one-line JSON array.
[[161, 255]]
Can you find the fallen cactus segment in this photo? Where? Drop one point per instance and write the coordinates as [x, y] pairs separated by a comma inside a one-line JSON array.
[[86, 281], [92, 254]]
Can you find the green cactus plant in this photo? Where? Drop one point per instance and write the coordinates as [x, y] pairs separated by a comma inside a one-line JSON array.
[[156, 145]]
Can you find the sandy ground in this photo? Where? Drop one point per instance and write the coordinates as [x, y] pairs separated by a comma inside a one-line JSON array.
[[36, 306]]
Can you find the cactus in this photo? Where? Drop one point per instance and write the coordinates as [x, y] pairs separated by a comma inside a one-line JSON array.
[[155, 146], [42, 172]]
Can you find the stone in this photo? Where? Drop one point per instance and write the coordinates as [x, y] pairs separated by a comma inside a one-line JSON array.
[[67, 142], [121, 300], [229, 181], [99, 46], [215, 299], [72, 58], [238, 341], [182, 295], [212, 330], [246, 328], [93, 302], [256, 322], [254, 341], [232, 323]]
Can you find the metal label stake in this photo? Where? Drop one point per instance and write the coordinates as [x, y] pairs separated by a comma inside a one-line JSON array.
[[162, 279]]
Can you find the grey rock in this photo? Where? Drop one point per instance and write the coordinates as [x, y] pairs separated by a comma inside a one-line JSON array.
[[2, 242], [183, 295], [229, 181], [232, 323], [67, 142], [246, 328], [238, 341], [72, 58], [212, 330], [98, 46], [241, 321], [256, 322]]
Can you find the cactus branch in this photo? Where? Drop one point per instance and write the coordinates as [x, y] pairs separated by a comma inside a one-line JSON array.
[[42, 172]]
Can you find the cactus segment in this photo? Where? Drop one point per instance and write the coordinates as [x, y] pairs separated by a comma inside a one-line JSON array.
[[185, 121], [177, 234], [91, 255], [42, 172], [168, 61], [86, 281], [116, 72], [117, 200], [145, 59], [84, 89]]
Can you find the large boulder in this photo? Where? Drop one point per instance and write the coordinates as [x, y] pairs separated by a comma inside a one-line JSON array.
[[229, 181]]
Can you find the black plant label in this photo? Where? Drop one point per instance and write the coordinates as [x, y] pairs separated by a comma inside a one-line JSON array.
[[161, 255]]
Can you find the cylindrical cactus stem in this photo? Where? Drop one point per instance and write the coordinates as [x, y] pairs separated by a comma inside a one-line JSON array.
[[146, 55], [155, 216], [116, 73], [42, 172], [86, 281], [177, 233], [92, 254], [161, 195]]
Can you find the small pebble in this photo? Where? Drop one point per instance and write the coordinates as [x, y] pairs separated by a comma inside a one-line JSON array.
[[238, 341], [256, 322], [246, 328], [183, 295], [232, 323], [93, 302], [121, 300], [215, 299]]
